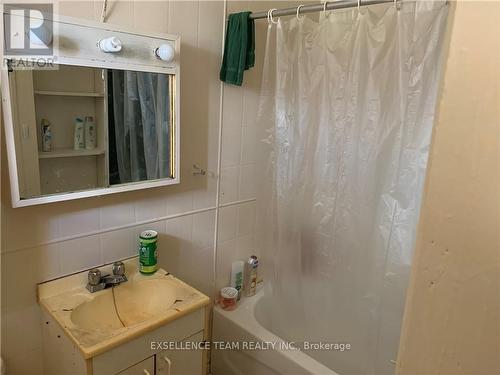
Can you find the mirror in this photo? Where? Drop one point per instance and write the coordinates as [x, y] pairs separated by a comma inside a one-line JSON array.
[[80, 128]]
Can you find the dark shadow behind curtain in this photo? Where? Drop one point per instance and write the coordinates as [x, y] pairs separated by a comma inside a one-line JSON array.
[[140, 104]]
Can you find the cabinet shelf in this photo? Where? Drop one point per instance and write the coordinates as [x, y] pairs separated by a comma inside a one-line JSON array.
[[69, 153], [68, 93]]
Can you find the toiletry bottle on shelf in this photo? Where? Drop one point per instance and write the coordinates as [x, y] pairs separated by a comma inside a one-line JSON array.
[[237, 276], [79, 134], [250, 277], [46, 136], [90, 133]]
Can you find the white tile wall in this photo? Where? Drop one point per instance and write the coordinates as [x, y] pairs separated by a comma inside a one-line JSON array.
[[247, 182], [237, 214], [229, 184], [79, 254], [246, 219], [236, 220], [248, 139], [118, 244], [231, 147], [150, 206], [228, 223], [75, 222], [117, 215], [188, 249], [43, 242]]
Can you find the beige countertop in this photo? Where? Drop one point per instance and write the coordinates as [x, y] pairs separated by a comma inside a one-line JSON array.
[[97, 322]]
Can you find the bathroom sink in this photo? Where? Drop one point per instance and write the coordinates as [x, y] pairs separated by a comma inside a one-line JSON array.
[[97, 314], [147, 298], [127, 304], [99, 321]]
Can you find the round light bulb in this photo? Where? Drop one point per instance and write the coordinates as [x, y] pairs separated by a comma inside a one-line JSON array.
[[112, 44], [165, 52]]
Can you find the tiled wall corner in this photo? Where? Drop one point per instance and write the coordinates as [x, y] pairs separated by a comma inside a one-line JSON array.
[[236, 238], [236, 221], [239, 174]]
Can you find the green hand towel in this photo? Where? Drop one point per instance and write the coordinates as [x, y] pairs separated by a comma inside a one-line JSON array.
[[239, 48]]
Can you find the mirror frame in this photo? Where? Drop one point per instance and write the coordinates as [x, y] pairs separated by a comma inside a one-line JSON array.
[[84, 34]]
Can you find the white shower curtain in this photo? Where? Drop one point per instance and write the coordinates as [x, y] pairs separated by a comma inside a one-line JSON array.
[[345, 121], [141, 113]]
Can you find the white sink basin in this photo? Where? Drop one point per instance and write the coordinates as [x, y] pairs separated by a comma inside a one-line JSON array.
[[127, 304], [98, 314], [99, 321], [142, 300]]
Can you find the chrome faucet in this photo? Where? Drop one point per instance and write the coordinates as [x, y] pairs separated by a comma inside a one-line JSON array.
[[97, 281]]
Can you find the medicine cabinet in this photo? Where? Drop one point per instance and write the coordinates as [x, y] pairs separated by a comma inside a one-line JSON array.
[[102, 117]]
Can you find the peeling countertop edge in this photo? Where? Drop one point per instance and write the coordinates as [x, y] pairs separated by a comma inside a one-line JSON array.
[[129, 335]]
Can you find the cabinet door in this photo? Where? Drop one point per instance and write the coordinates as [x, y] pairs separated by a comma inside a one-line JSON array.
[[146, 367], [181, 362]]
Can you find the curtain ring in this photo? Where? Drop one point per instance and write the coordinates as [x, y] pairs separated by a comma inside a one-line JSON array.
[[297, 13], [397, 4], [270, 16], [359, 4], [326, 12]]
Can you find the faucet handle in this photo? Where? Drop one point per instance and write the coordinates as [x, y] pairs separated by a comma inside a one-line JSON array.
[[94, 277], [118, 268]]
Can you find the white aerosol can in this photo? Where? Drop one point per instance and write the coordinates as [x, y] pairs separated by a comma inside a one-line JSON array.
[[250, 277]]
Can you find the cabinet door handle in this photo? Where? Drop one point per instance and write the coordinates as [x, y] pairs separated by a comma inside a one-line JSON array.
[[146, 372], [169, 364]]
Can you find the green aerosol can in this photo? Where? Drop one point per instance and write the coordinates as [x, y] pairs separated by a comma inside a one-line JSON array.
[[148, 255]]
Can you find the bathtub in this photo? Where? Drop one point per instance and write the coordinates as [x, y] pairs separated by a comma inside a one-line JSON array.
[[246, 324]]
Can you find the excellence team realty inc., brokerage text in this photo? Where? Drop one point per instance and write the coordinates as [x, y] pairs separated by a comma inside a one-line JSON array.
[[250, 345]]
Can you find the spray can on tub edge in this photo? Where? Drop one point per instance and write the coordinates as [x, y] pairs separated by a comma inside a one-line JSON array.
[[148, 254], [250, 278]]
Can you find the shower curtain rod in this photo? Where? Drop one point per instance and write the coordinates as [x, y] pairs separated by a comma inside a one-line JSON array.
[[340, 4]]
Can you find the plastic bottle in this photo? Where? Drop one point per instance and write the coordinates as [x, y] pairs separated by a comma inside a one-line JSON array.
[[46, 136], [237, 276], [90, 133], [79, 134]]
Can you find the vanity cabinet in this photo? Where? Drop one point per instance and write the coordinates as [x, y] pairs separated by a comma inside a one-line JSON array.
[[181, 362], [146, 367], [171, 362], [140, 356], [148, 325]]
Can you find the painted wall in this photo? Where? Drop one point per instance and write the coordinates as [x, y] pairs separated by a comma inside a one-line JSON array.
[[452, 319]]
